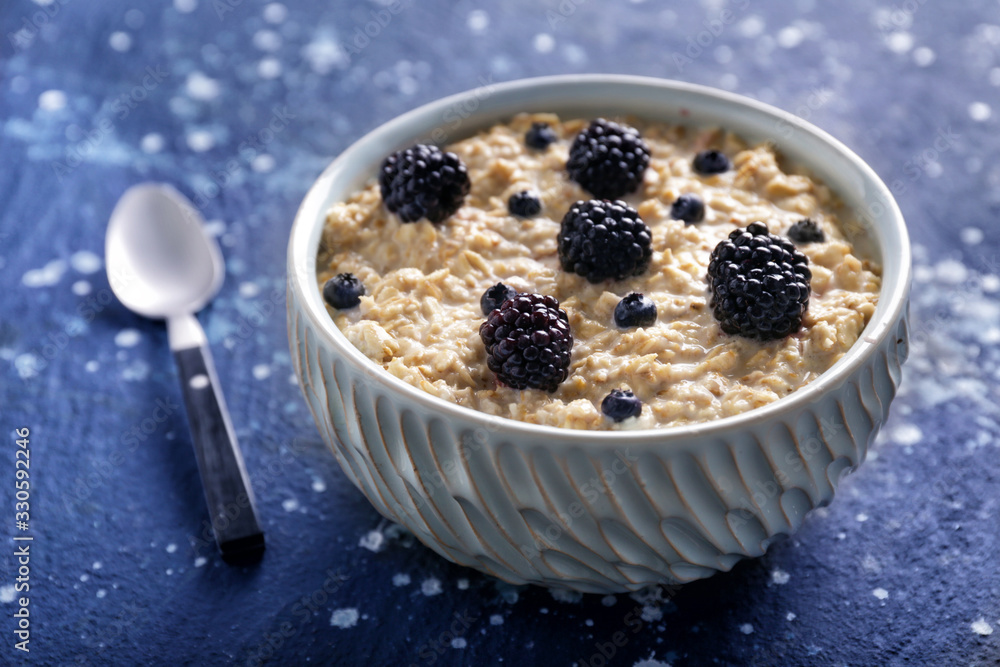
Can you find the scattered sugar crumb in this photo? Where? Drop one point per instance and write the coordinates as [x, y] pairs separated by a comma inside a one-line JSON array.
[[458, 642], [275, 13], [85, 262], [171, 548], [751, 26], [185, 6], [981, 627], [924, 56], [462, 584], [790, 616], [951, 271], [290, 504], [127, 338], [91, 366], [263, 163], [609, 600], [431, 586], [561, 595], [200, 561], [48, 275], [373, 540], [267, 40], [971, 236], [980, 111], [200, 141], [7, 594], [101, 592], [861, 517], [81, 288], [344, 618], [899, 42], [120, 41], [401, 579], [318, 485], [790, 36], [880, 593], [85, 577], [747, 628], [202, 87], [151, 143], [907, 434], [96, 565], [780, 577], [261, 371], [52, 100], [478, 21], [544, 42], [269, 68], [495, 619]]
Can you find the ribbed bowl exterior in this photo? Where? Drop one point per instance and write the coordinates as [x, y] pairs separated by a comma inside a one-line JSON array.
[[610, 511], [594, 520]]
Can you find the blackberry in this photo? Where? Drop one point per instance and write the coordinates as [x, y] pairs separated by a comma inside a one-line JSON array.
[[635, 310], [759, 283], [608, 159], [540, 136], [524, 204], [711, 162], [806, 231], [689, 208], [528, 342], [494, 297], [621, 404], [344, 290], [423, 182], [604, 239]]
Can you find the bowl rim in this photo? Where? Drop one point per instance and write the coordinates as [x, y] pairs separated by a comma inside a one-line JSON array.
[[312, 212]]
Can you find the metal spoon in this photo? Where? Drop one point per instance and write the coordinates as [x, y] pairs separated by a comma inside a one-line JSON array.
[[162, 265]]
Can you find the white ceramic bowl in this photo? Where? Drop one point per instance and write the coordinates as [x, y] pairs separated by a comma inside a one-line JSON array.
[[598, 511]]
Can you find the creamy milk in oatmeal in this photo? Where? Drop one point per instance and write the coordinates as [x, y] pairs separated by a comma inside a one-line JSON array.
[[420, 316]]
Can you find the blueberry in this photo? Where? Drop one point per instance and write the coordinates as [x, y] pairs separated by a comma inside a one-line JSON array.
[[344, 290], [689, 208], [621, 404], [711, 162], [635, 310], [495, 296], [540, 136], [524, 204], [806, 231]]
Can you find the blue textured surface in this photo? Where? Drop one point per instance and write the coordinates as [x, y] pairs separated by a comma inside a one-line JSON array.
[[900, 569]]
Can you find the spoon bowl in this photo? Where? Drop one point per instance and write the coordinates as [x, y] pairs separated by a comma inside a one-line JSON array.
[[161, 262]]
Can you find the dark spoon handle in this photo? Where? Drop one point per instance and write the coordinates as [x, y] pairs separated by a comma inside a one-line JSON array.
[[223, 475]]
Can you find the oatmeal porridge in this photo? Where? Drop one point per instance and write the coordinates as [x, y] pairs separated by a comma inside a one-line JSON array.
[[645, 345]]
